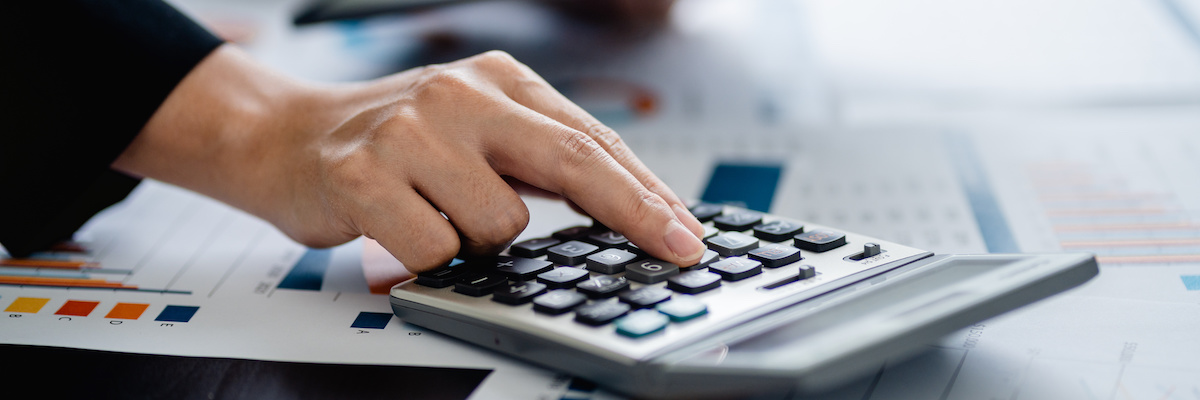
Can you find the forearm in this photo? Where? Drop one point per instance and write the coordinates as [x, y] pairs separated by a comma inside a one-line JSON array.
[[220, 127]]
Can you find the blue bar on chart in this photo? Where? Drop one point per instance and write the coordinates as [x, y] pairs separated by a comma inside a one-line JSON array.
[[177, 314], [1191, 282], [747, 185], [371, 320], [309, 272]]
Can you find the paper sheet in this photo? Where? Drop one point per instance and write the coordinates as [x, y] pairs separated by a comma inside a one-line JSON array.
[[202, 279]]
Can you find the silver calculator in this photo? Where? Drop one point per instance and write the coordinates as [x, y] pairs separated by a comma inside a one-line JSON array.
[[775, 304]]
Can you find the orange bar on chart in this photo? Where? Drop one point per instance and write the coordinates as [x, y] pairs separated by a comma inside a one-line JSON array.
[[77, 308], [1150, 259], [127, 311], [27, 305], [39, 263], [62, 282]]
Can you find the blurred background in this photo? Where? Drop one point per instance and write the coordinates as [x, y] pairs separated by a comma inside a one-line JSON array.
[[953, 126]]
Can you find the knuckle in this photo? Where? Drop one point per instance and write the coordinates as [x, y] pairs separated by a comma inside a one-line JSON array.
[[501, 231], [646, 206], [446, 79], [610, 139], [497, 58], [603, 134], [579, 152], [434, 249]]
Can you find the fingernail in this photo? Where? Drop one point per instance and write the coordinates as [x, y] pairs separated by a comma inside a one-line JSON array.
[[683, 243], [683, 214]]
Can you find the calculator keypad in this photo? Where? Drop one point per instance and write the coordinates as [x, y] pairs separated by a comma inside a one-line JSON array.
[[601, 279]]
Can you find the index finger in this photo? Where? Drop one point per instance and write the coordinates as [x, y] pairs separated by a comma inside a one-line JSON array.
[[526, 87], [545, 153]]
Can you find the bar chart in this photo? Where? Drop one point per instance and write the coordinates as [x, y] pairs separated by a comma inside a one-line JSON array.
[[1119, 206]]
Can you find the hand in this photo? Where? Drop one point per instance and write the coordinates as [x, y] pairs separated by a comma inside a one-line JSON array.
[[387, 158]]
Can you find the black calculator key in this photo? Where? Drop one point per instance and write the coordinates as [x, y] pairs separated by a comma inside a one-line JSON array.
[[520, 268], [736, 268], [517, 293], [479, 284], [440, 278], [709, 257], [633, 248], [738, 221], [533, 247], [706, 211], [602, 287], [609, 261], [606, 239], [600, 313], [557, 302], [775, 255], [777, 231], [572, 233], [820, 240], [645, 297], [730, 244], [642, 323], [693, 282], [650, 271], [563, 277], [570, 253]]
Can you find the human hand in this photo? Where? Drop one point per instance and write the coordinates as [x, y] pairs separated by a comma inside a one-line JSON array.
[[387, 158]]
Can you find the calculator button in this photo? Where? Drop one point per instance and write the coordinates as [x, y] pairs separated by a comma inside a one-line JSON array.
[[730, 244], [682, 309], [570, 253], [650, 271], [870, 250], [709, 257], [607, 239], [642, 323], [693, 282], [736, 268], [479, 284], [440, 278], [775, 255], [609, 261], [517, 293], [820, 240], [806, 271], [602, 287], [738, 221], [533, 247], [519, 268], [563, 277], [645, 297], [706, 211], [710, 231], [600, 313], [572, 233], [558, 301], [777, 231]]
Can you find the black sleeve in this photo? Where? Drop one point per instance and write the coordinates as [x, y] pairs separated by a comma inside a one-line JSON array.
[[80, 78]]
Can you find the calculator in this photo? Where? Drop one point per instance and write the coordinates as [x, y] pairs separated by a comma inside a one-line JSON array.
[[775, 304]]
